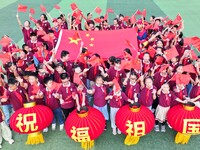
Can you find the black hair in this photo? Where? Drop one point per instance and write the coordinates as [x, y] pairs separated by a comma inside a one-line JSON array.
[[28, 22], [84, 50], [117, 61], [88, 14], [76, 66], [25, 52], [148, 77], [176, 26], [134, 73], [64, 76], [33, 34], [23, 46], [101, 17], [33, 74], [112, 59], [62, 16], [59, 18], [12, 81], [50, 31], [98, 27], [91, 22], [153, 17], [97, 55], [127, 50], [121, 15], [45, 16], [59, 64], [116, 19], [158, 20], [99, 76], [64, 53], [9, 64], [47, 79]]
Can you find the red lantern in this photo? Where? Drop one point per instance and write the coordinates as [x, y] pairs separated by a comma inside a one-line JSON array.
[[185, 119], [31, 120], [85, 126], [134, 121]]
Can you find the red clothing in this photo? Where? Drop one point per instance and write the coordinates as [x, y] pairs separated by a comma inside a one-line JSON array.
[[93, 72], [67, 93], [45, 25], [195, 92], [131, 90], [100, 95], [17, 98], [26, 34], [118, 101], [1, 117], [33, 90], [80, 96], [146, 97], [165, 100], [181, 95], [68, 66], [159, 80], [119, 75], [32, 45], [113, 27], [50, 100], [3, 92], [8, 48]]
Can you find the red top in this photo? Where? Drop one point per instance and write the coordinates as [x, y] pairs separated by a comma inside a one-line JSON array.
[[118, 100], [165, 100], [26, 34], [100, 95], [67, 93]]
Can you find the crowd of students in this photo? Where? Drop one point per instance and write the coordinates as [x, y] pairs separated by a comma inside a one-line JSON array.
[[34, 74]]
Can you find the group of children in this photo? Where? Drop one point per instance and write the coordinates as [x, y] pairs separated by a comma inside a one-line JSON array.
[[34, 74]]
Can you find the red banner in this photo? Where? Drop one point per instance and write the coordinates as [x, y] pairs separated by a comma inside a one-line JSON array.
[[105, 43]]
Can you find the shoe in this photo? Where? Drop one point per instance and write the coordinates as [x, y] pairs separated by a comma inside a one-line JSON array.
[[11, 141], [61, 127], [45, 130], [156, 128], [114, 131], [0, 146], [53, 127], [163, 128], [119, 132]]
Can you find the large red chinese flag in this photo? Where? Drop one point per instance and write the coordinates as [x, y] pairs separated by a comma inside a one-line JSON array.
[[105, 43], [22, 8]]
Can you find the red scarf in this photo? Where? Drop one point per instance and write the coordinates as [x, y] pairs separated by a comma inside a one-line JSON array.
[[181, 94], [147, 94], [167, 99], [130, 93]]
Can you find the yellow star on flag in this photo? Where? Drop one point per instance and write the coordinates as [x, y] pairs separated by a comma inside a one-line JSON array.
[[87, 35], [91, 39], [91, 45], [75, 41]]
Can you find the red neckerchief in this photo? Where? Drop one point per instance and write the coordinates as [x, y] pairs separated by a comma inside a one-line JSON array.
[[146, 67], [95, 70], [162, 80], [181, 94], [167, 99], [80, 96], [130, 93], [147, 94], [19, 97], [118, 99], [103, 89], [117, 75]]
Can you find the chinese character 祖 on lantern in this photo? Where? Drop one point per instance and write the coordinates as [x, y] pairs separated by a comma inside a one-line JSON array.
[[137, 128]]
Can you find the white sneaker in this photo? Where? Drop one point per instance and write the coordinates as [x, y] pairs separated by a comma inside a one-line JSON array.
[[45, 130], [156, 128], [61, 127], [114, 132], [11, 141], [53, 126], [0, 146], [163, 128], [119, 132]]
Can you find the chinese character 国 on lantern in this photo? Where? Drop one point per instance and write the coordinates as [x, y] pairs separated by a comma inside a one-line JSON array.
[[85, 126], [134, 121], [31, 120], [185, 119]]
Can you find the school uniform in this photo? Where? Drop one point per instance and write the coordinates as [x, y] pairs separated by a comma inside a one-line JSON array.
[[33, 90], [131, 89], [100, 102], [181, 95], [26, 33], [53, 104], [194, 93], [69, 103]]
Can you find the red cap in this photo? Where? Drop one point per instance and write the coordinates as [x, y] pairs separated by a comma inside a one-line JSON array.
[[139, 21], [54, 20]]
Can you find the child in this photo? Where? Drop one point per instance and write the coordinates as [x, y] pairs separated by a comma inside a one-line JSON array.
[[15, 95], [195, 92], [49, 93], [117, 99], [165, 98], [4, 130], [132, 88], [82, 95], [99, 92], [67, 95], [148, 93], [34, 88]]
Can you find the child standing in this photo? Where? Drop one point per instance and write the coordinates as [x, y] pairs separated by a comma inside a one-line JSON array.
[[52, 102], [4, 130], [165, 98], [99, 92], [117, 99]]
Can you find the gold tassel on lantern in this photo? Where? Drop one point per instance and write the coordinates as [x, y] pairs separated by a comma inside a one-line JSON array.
[[131, 140], [182, 138], [87, 145], [35, 138]]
